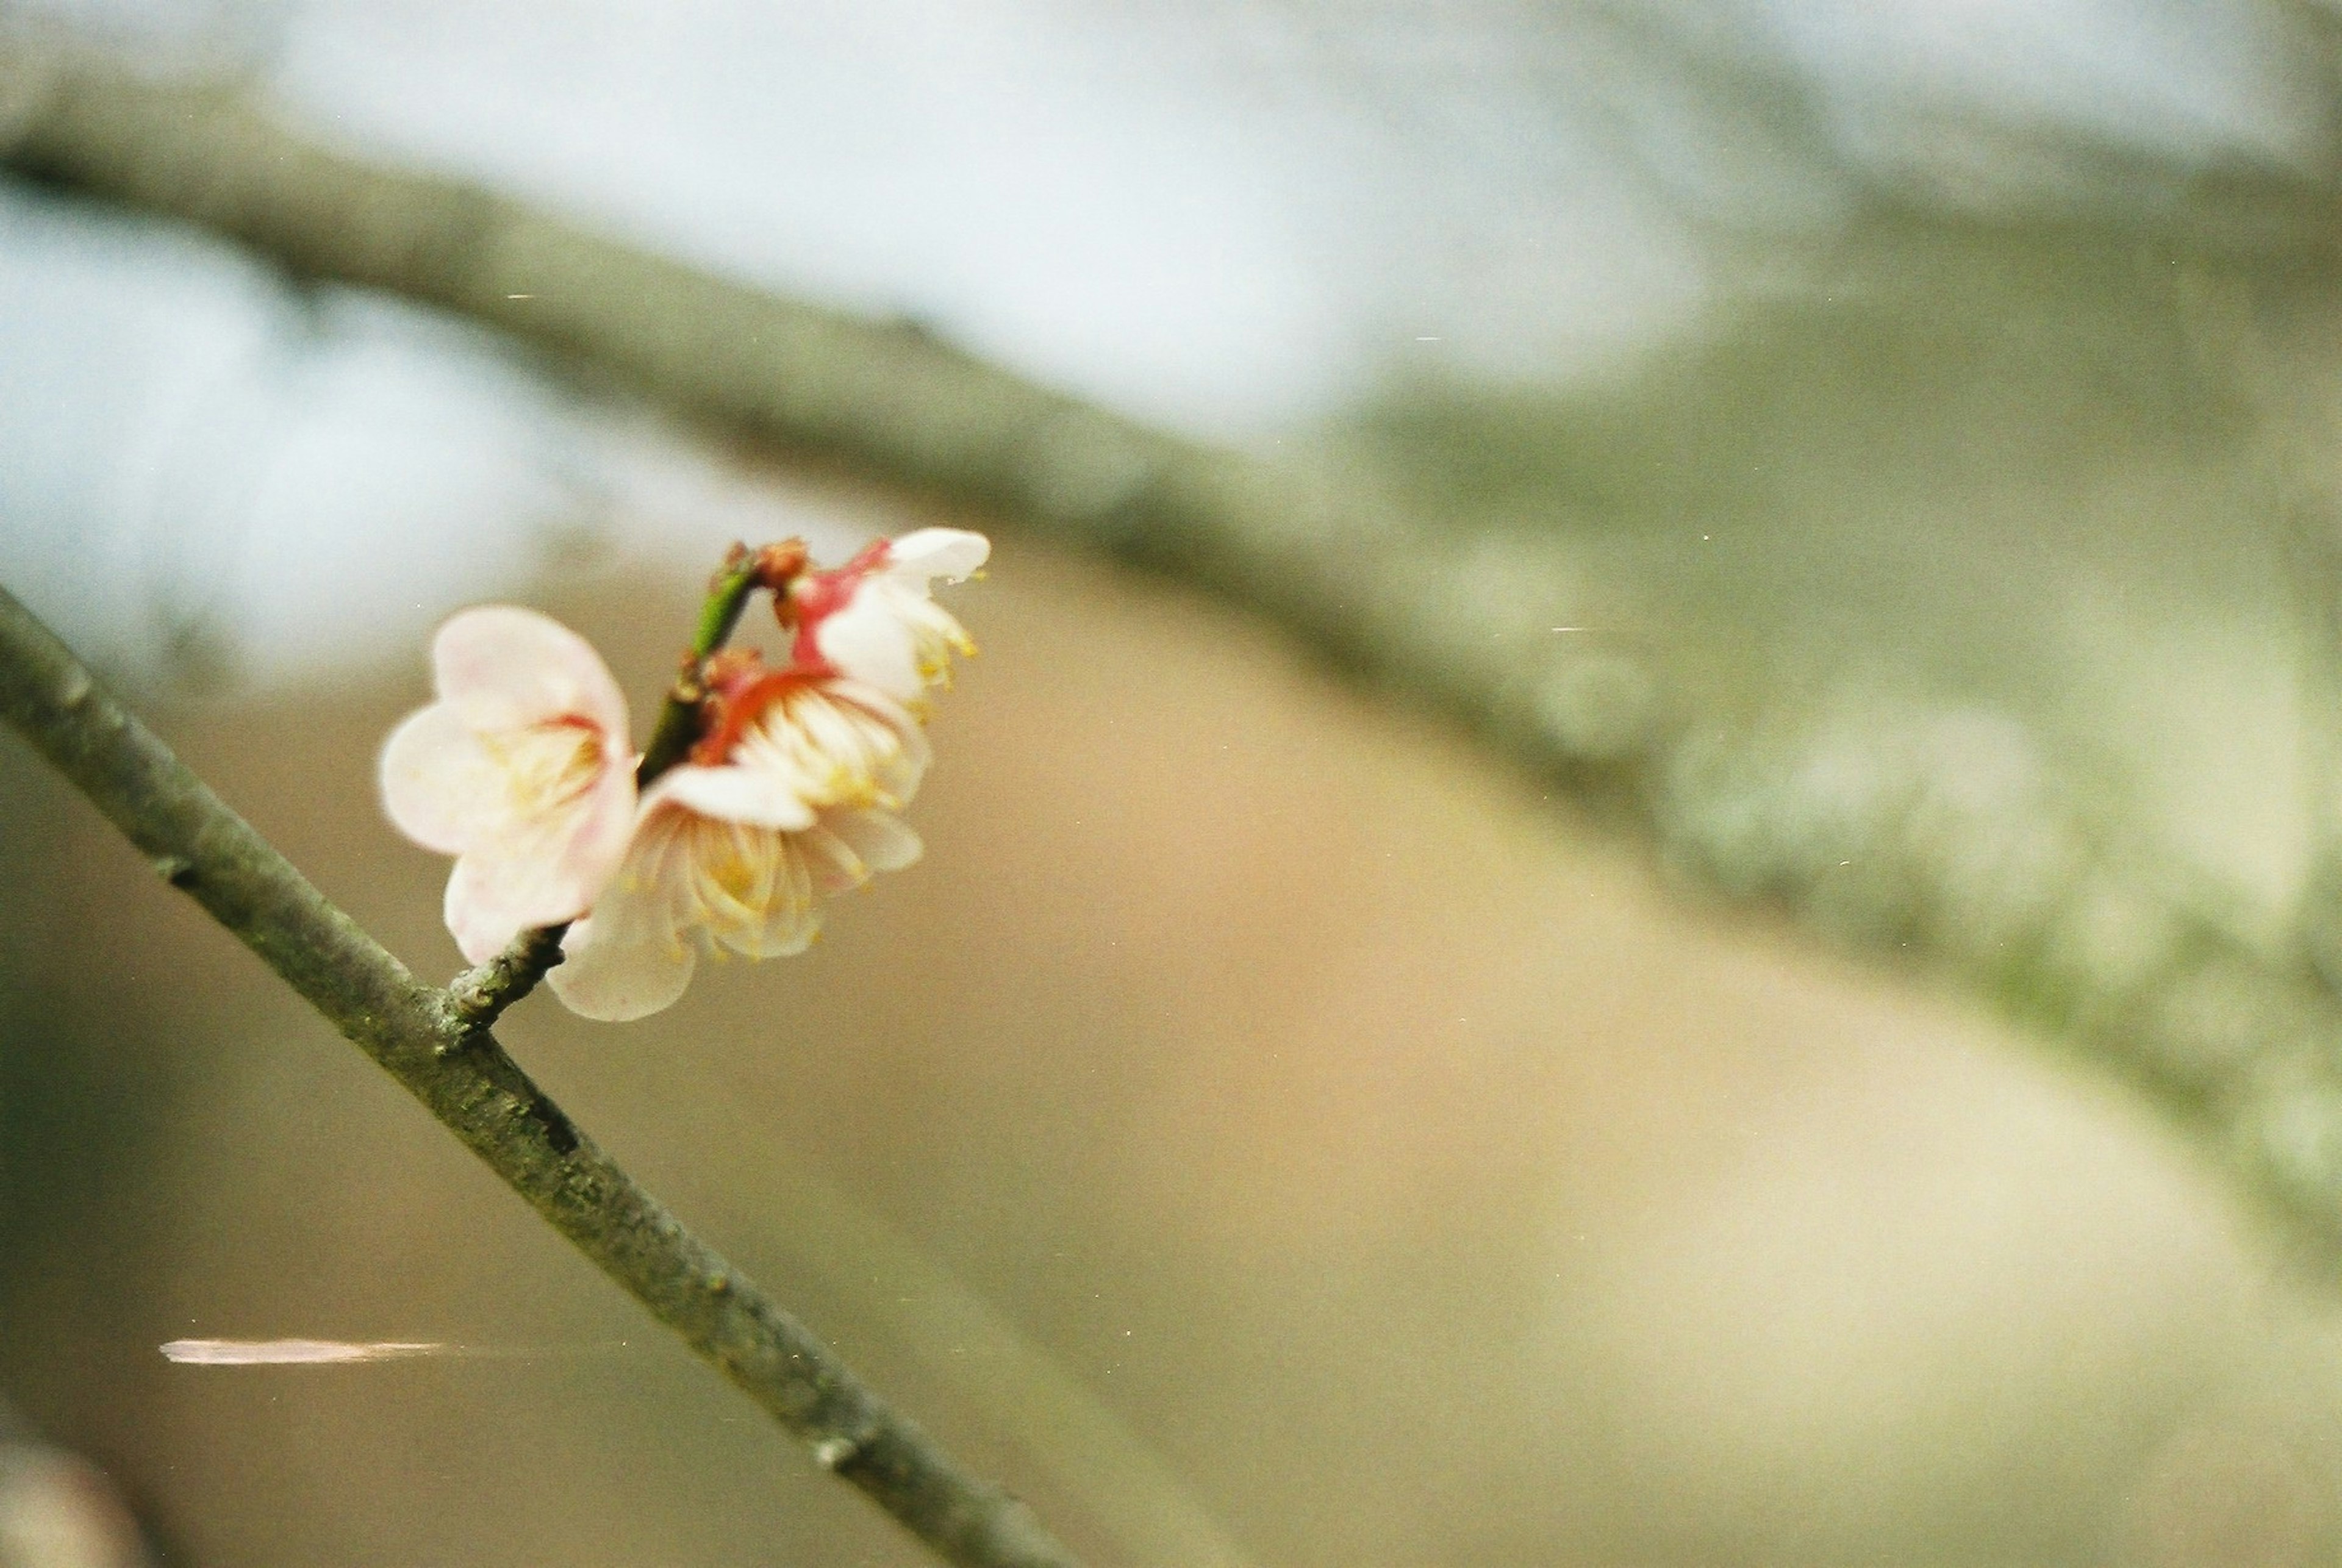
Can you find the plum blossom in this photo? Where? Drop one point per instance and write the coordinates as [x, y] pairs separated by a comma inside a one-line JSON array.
[[521, 770], [790, 793], [874, 619]]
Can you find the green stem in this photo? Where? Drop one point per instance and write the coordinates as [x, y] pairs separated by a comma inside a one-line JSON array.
[[678, 720]]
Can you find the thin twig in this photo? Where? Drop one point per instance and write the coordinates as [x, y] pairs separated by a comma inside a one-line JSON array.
[[480, 994], [412, 1030]]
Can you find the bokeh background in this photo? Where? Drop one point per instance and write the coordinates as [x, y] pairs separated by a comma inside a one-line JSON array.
[[1269, 1127]]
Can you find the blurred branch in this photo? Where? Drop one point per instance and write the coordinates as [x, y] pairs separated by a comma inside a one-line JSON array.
[[414, 1031], [2297, 435], [1937, 834], [2312, 523]]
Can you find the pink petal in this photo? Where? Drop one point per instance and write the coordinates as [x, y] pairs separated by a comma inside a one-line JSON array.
[[481, 931], [491, 899], [502, 666], [950, 554], [604, 826], [439, 785], [628, 960]]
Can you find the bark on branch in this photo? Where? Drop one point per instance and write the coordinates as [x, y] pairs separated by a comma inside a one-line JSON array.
[[425, 1038], [2018, 891]]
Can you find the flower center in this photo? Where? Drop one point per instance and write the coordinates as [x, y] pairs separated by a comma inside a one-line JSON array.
[[549, 764], [742, 690], [841, 753], [731, 869]]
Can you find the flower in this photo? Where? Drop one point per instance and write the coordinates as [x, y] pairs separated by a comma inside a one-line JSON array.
[[874, 619], [790, 793], [521, 770]]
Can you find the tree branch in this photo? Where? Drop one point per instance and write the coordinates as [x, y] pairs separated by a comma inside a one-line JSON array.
[[413, 1031], [2017, 891]]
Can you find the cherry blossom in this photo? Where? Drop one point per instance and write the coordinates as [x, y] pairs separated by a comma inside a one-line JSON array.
[[789, 795], [874, 619], [522, 770]]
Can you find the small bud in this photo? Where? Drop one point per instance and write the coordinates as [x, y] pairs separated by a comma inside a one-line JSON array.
[[779, 565]]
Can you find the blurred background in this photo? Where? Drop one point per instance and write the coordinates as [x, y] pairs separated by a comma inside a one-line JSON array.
[[1272, 1126]]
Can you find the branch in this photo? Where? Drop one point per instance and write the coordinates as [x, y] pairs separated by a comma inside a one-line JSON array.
[[414, 1032], [2022, 897]]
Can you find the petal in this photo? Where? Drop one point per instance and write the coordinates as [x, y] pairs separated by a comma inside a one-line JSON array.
[[871, 643], [602, 826], [758, 796], [628, 959], [747, 886], [830, 863], [950, 554], [480, 931], [619, 981], [493, 899], [909, 752], [728, 872], [502, 667], [439, 785], [791, 918], [883, 842], [902, 776]]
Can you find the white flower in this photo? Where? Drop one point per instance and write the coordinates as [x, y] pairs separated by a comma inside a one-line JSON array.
[[521, 770], [790, 796], [874, 619]]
